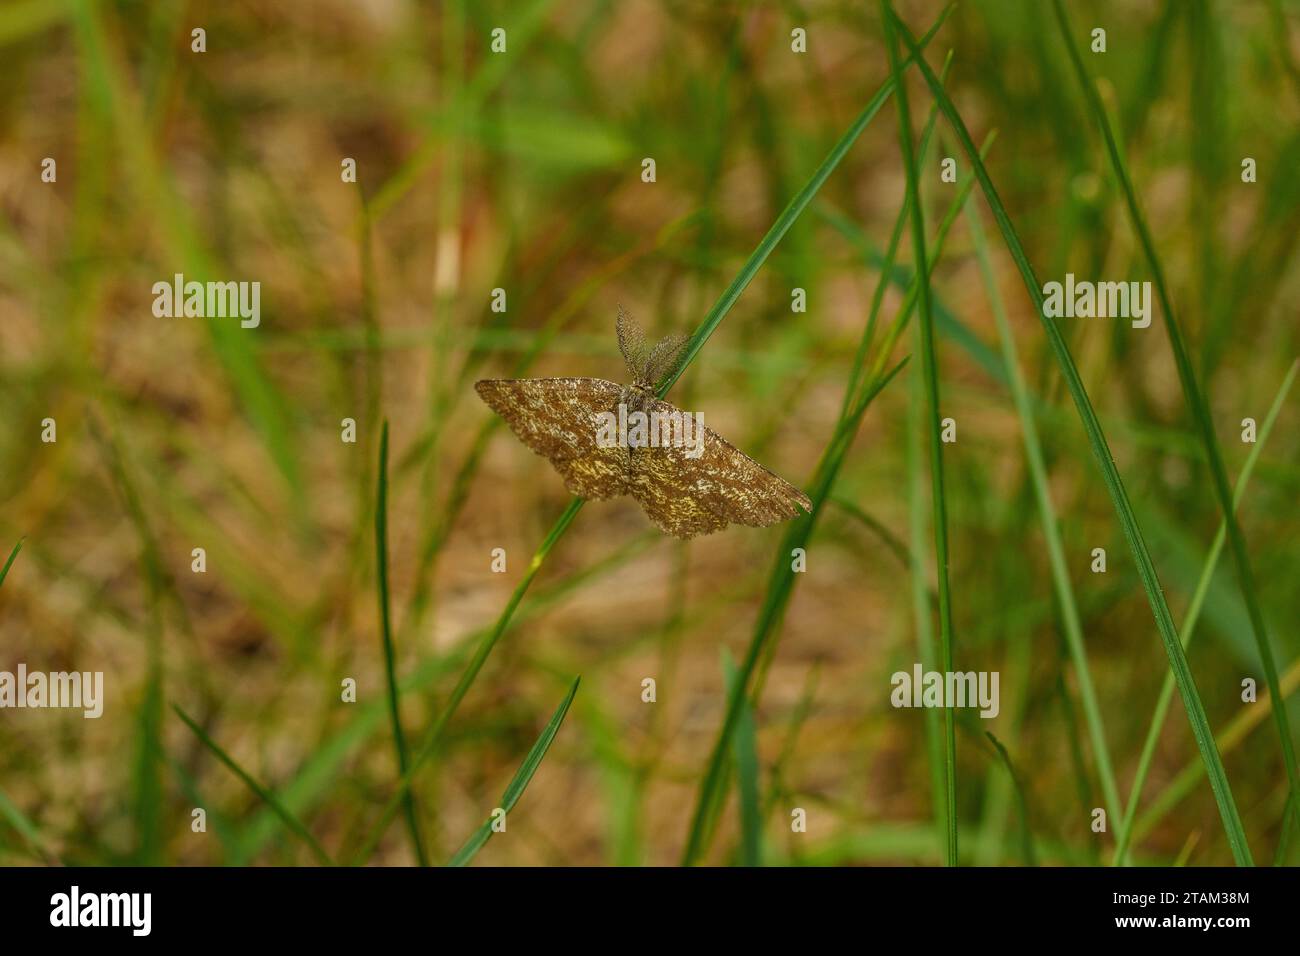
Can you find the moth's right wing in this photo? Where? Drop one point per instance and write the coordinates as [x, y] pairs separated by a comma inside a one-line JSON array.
[[686, 496], [558, 418]]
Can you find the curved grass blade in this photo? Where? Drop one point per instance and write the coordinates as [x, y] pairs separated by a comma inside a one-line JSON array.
[[221, 826], [386, 631], [25, 827], [1195, 401], [850, 230], [1189, 624], [890, 540], [285, 816], [1236, 730], [1022, 805], [520, 780], [930, 371], [1051, 528], [467, 677], [1110, 474], [791, 212], [4, 572]]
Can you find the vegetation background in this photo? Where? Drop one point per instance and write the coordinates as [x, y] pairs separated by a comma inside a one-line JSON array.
[[521, 170]]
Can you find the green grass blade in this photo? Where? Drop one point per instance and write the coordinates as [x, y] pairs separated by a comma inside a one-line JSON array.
[[1022, 805], [266, 796], [946, 324], [520, 780], [24, 826], [930, 371], [1195, 400], [890, 540], [4, 572], [1218, 778], [780, 586], [745, 746], [1192, 617], [386, 630], [1233, 733], [434, 736], [221, 826], [847, 227], [146, 783], [799, 715], [784, 221], [1050, 524], [922, 600], [1288, 827]]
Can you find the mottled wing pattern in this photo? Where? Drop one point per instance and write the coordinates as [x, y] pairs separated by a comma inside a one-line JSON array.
[[664, 491], [556, 417], [689, 496]]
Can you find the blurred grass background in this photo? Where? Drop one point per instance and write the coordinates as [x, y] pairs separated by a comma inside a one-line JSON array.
[[521, 170]]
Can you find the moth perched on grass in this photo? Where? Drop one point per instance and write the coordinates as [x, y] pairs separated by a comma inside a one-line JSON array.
[[685, 488]]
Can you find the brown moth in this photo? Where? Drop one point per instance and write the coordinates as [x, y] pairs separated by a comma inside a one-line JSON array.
[[559, 418]]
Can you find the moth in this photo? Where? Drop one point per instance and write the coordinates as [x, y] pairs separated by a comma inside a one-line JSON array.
[[684, 491]]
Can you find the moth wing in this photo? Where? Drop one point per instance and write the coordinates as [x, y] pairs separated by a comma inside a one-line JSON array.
[[665, 492], [558, 418], [688, 496]]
